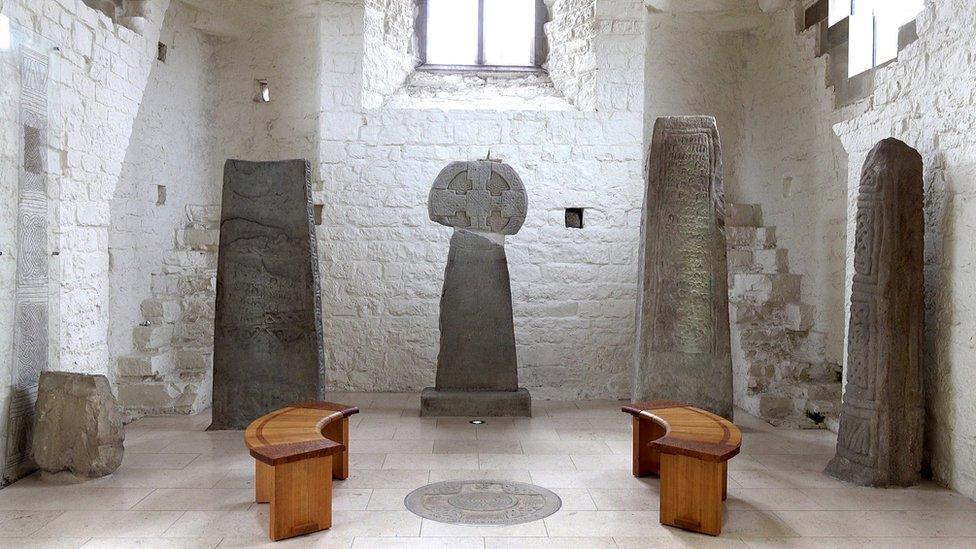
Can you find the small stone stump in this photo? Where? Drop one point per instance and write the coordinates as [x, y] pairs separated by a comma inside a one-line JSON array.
[[477, 371], [78, 426], [683, 349], [879, 442]]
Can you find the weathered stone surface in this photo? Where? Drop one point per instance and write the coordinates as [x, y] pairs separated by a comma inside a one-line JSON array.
[[480, 195], [880, 438], [268, 349], [483, 200], [682, 350], [77, 426]]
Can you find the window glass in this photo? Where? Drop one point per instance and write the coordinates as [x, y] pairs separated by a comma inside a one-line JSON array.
[[873, 32], [4, 32], [510, 27], [452, 32]]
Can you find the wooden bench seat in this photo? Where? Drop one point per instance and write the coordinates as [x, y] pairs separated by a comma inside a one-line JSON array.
[[297, 452], [689, 448]]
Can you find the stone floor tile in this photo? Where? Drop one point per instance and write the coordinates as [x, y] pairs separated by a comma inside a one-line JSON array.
[[573, 447], [604, 524], [681, 540], [197, 499], [391, 446], [626, 499], [385, 478], [41, 543], [109, 524], [785, 499], [477, 446], [375, 523], [387, 499], [431, 461], [134, 460], [549, 543], [524, 463], [439, 529], [350, 500], [419, 543], [25, 523], [590, 462], [152, 543], [513, 475], [33, 494]]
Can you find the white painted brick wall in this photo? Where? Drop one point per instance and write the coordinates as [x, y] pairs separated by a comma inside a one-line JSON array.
[[791, 162], [173, 144], [927, 99], [382, 260], [103, 69]]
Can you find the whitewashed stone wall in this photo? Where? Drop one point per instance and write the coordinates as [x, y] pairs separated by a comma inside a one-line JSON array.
[[694, 67], [571, 63], [792, 164], [390, 53], [103, 71], [173, 145], [383, 260], [927, 99]]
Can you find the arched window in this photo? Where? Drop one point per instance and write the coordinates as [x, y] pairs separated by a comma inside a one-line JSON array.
[[481, 34], [873, 30]]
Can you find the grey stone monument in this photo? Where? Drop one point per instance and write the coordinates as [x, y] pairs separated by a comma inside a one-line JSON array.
[[268, 349], [77, 426], [682, 351], [879, 442], [477, 371]]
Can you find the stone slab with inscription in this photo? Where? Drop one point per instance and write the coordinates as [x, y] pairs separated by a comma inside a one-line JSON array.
[[879, 442], [682, 350], [268, 348], [477, 370]]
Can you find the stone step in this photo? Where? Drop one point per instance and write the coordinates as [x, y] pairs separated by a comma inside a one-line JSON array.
[[752, 238], [152, 338], [819, 391], [160, 310], [144, 365], [823, 372], [743, 215], [196, 238], [152, 395], [800, 316], [743, 260], [764, 287]]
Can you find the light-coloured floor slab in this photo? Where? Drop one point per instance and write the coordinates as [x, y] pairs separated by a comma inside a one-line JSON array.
[[182, 487]]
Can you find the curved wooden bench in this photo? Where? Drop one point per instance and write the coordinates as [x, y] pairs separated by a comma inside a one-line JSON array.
[[690, 449], [297, 451]]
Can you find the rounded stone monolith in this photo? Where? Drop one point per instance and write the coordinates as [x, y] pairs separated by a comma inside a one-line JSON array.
[[77, 426]]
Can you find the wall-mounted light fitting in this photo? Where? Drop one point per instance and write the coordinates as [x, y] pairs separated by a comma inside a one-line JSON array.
[[264, 92]]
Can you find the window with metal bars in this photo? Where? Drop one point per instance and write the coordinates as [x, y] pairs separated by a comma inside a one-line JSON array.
[[478, 35]]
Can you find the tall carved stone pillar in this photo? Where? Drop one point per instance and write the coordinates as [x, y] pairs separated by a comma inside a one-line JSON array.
[[682, 351], [880, 438], [477, 370], [268, 350]]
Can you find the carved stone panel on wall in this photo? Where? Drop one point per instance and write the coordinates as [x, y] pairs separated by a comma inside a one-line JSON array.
[[477, 370], [879, 442], [268, 348], [31, 309], [682, 351]]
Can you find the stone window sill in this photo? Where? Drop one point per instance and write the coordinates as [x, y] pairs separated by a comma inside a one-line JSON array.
[[500, 90]]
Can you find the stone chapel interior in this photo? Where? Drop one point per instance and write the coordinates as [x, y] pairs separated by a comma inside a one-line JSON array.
[[488, 273]]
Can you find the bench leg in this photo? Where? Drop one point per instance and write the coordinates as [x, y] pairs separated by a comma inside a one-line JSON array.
[[725, 480], [263, 482], [647, 461], [691, 493], [301, 501], [338, 431]]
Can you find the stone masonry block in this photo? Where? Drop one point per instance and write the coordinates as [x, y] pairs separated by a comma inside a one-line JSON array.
[[147, 365], [152, 337], [743, 215], [766, 287], [160, 310], [751, 237]]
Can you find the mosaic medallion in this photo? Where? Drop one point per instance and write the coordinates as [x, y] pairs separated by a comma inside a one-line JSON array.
[[482, 502]]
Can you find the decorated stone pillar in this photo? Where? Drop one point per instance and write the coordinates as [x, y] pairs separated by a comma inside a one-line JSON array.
[[682, 352], [477, 370], [268, 348], [879, 442]]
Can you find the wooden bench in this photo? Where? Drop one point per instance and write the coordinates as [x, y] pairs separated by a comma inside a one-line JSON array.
[[298, 450], [690, 449]]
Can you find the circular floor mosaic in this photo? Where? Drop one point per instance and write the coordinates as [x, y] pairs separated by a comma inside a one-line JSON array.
[[482, 502]]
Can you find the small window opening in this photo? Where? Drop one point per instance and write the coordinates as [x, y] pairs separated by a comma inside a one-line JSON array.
[[160, 195], [318, 214], [161, 52], [574, 218], [873, 30], [482, 34]]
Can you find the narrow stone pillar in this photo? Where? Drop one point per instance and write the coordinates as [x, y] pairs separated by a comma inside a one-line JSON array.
[[682, 352], [880, 438], [268, 350], [477, 369]]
